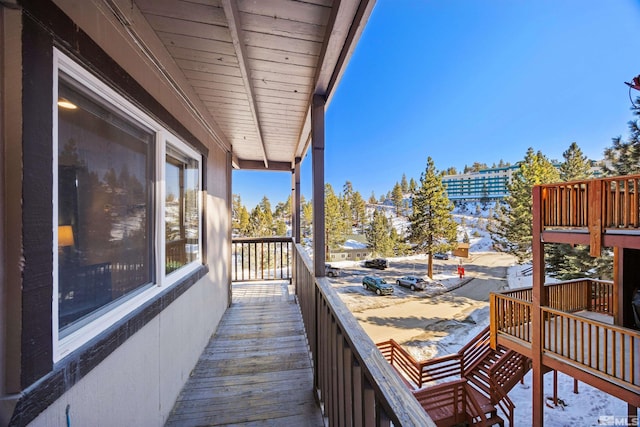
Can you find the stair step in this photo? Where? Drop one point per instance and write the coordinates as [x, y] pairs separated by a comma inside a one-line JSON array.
[[495, 419]]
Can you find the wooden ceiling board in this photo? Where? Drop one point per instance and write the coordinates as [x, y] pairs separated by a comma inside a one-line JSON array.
[[196, 43], [282, 27], [255, 65], [185, 10], [189, 28], [288, 9], [201, 79], [226, 70], [270, 41], [202, 56]]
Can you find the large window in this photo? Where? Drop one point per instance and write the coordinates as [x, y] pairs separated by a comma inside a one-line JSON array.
[[127, 220]]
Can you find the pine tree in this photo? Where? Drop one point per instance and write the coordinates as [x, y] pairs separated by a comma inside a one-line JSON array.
[[396, 198], [623, 157], [236, 208], [404, 185], [576, 166], [306, 224], [413, 186], [243, 222], [432, 228], [372, 199], [511, 228], [333, 218], [358, 209], [378, 234]]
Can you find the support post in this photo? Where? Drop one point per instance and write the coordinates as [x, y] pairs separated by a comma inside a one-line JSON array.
[[295, 201], [539, 299], [317, 137]]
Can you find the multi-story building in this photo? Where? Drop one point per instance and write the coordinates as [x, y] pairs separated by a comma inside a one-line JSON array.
[[486, 184]]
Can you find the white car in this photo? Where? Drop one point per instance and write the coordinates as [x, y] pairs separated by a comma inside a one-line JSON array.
[[412, 282]]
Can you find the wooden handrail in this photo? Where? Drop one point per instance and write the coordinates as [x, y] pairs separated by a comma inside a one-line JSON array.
[[352, 379]]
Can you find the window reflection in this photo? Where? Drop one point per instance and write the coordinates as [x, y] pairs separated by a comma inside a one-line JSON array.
[[182, 214], [104, 206]]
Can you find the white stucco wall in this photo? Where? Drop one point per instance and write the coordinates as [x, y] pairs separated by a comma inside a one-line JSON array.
[[137, 384]]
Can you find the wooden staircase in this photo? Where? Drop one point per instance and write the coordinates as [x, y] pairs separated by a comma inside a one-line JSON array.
[[471, 384]]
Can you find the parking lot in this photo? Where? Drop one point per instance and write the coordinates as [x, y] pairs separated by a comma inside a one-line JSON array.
[[358, 298], [421, 320]]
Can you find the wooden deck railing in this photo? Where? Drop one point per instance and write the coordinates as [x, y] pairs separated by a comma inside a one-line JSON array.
[[596, 347], [264, 258], [601, 205], [573, 204], [573, 295], [353, 381]]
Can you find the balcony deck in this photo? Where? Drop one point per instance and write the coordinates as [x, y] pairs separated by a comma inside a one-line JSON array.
[[256, 369]]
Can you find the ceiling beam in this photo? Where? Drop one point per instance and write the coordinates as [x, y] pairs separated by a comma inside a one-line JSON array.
[[233, 18], [259, 166]]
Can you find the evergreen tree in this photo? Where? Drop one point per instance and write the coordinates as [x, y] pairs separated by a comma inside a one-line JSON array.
[[358, 209], [236, 208], [333, 218], [267, 215], [378, 234], [623, 157], [413, 186], [372, 199], [404, 184], [396, 197], [432, 228], [576, 166], [281, 227], [243, 222], [306, 224], [512, 224]]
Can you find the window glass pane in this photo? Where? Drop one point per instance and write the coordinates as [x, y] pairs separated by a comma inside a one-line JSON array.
[[105, 170], [182, 210]]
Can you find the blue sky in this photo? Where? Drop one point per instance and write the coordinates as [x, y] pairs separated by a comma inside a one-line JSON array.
[[471, 80]]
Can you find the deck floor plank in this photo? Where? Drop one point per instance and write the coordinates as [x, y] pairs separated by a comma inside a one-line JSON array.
[[256, 370]]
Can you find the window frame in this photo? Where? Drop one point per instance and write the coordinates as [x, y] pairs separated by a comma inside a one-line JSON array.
[[65, 345]]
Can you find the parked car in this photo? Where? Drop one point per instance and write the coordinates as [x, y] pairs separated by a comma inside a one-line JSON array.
[[441, 255], [412, 282], [377, 284], [379, 263], [331, 271]]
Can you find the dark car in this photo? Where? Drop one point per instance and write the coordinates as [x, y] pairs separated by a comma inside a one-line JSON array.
[[377, 284], [441, 255], [378, 263], [331, 271]]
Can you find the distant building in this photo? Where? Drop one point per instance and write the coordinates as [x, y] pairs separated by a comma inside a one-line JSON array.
[[484, 185], [488, 184], [349, 254]]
